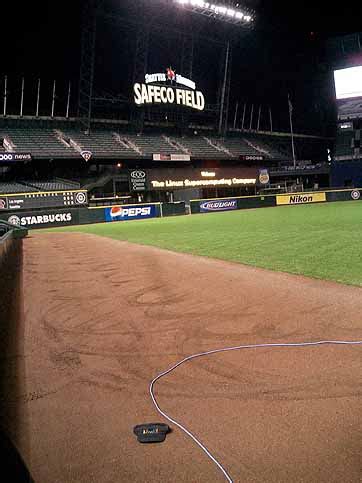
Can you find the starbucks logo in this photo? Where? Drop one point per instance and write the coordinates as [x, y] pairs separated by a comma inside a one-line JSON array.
[[14, 220]]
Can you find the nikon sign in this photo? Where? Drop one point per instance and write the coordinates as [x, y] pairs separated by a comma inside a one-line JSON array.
[[301, 198], [157, 95]]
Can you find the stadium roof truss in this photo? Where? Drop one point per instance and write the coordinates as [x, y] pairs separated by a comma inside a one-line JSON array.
[[144, 16]]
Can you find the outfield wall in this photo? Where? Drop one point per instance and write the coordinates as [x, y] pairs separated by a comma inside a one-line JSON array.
[[262, 201], [12, 387], [100, 214]]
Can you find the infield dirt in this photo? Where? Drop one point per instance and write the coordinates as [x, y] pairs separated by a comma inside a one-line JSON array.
[[103, 317]]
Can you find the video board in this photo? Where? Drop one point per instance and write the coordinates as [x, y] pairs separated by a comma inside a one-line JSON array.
[[348, 82]]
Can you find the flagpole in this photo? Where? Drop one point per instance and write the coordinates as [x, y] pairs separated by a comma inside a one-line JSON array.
[[242, 124], [22, 97], [68, 102], [271, 120], [53, 100], [259, 118], [291, 129], [37, 99], [236, 113], [5, 93], [251, 117]]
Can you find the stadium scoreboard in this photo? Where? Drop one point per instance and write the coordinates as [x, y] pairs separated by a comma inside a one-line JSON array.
[[45, 199]]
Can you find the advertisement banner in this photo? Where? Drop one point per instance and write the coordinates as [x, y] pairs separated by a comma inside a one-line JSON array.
[[171, 179], [9, 157], [345, 195], [44, 219], [137, 180], [251, 157], [130, 212], [301, 198], [208, 206], [171, 157]]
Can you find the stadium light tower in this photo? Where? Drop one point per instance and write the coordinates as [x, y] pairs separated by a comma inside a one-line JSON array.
[[225, 11]]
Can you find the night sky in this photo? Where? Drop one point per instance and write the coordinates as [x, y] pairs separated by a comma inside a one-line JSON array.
[[42, 39]]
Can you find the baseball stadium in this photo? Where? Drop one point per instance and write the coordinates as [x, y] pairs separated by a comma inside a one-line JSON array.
[[180, 254]]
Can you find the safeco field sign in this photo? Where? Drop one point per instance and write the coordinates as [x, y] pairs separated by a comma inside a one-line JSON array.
[[300, 199]]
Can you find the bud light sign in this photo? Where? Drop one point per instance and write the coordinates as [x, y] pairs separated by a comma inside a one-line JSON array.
[[130, 212], [218, 205]]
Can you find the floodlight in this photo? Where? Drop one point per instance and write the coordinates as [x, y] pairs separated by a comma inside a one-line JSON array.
[[221, 11]]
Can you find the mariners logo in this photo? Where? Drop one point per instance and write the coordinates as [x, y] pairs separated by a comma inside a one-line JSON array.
[[263, 176], [86, 155], [355, 195], [3, 203], [171, 74], [80, 198]]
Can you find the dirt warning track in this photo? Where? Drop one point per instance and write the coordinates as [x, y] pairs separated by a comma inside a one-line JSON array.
[[103, 317]]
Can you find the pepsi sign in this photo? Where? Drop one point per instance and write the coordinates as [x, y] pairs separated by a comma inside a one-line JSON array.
[[130, 212], [218, 205]]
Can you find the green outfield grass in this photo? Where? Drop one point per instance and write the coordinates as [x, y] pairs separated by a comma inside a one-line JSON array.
[[320, 240]]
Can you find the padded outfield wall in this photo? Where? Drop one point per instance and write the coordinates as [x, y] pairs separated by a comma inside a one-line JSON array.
[[11, 340], [263, 201], [79, 216]]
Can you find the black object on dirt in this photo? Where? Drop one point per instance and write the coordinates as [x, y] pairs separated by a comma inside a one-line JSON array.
[[151, 432]]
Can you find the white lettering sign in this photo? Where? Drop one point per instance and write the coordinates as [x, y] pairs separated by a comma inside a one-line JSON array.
[[189, 183], [150, 78], [152, 94]]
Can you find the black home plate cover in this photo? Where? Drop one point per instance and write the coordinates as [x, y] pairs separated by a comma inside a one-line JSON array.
[[151, 432]]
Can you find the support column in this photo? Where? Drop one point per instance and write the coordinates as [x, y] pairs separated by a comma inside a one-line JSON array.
[[86, 79]]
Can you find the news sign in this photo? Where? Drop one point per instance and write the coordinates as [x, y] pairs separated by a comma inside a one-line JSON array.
[[348, 82], [130, 212], [11, 157]]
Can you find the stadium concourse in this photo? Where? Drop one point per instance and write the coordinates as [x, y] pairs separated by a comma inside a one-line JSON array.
[[103, 317]]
